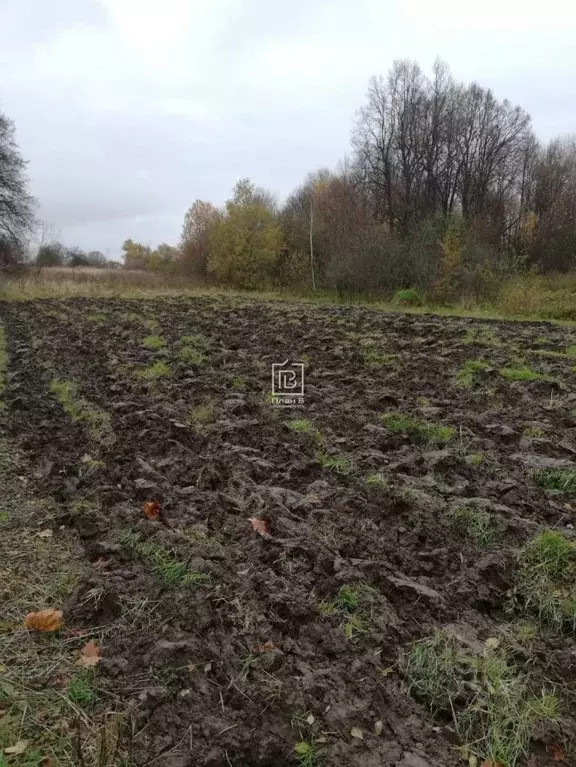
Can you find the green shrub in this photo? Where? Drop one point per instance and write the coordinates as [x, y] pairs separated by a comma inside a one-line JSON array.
[[407, 297]]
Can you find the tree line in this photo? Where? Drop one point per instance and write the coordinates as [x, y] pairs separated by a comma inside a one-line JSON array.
[[446, 188]]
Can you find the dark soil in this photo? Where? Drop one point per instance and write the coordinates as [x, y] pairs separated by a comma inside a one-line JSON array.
[[190, 663]]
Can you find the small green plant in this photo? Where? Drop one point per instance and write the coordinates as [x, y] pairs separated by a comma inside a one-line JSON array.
[[171, 570], [237, 382], [534, 431], [407, 297], [199, 416], [96, 317], [375, 359], [431, 433], [477, 523], [376, 482], [353, 605], [335, 463], [154, 342], [301, 426], [154, 372], [546, 578], [495, 711], [98, 422], [475, 459], [191, 356], [81, 691], [2, 363], [570, 351], [465, 378], [562, 480], [523, 374], [308, 754]]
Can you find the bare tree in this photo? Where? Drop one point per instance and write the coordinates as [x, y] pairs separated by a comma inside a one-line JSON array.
[[16, 205]]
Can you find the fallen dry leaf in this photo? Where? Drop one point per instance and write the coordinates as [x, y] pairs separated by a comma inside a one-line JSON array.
[[490, 763], [19, 748], [555, 752], [151, 510], [45, 534], [46, 763], [44, 620], [356, 732], [267, 646], [259, 525], [89, 655]]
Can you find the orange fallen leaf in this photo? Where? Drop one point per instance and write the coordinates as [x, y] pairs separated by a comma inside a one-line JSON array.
[[267, 646], [490, 763], [89, 655], [259, 525], [44, 620], [151, 510], [46, 763], [555, 752]]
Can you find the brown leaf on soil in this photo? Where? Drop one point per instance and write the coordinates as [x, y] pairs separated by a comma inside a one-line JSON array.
[[89, 655], [491, 763], [46, 763], [555, 752], [267, 646], [151, 510], [259, 525], [44, 620], [19, 748]]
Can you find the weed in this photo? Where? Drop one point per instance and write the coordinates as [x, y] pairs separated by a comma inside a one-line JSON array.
[[154, 342], [475, 459], [375, 359], [376, 481], [354, 608], [97, 421], [237, 382], [477, 523], [171, 570], [431, 433], [308, 754], [301, 426], [335, 463], [81, 691], [491, 702], [534, 431], [199, 416], [154, 371], [465, 377], [523, 374], [191, 356], [562, 480], [546, 577], [96, 318], [197, 340], [570, 351]]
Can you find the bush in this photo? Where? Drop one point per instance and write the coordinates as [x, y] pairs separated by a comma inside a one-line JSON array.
[[407, 297]]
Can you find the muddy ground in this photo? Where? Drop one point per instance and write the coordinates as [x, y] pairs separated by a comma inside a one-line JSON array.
[[222, 646]]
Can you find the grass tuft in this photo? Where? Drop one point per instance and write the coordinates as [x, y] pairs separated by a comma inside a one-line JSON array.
[[154, 342], [495, 711], [477, 523], [98, 422], [465, 378], [546, 578], [523, 374], [562, 480], [171, 570], [430, 433], [154, 371]]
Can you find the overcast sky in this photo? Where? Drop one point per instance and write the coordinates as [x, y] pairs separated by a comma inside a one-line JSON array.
[[128, 110]]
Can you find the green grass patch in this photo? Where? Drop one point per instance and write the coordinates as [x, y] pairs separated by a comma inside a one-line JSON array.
[[99, 318], [533, 431], [154, 371], [376, 359], [336, 463], [165, 562], [478, 524], [3, 360], [199, 416], [465, 377], [376, 482], [97, 421], [191, 356], [495, 710], [353, 605], [154, 342], [237, 383], [523, 374], [562, 480], [475, 459], [407, 297], [430, 433], [81, 690], [546, 578]]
